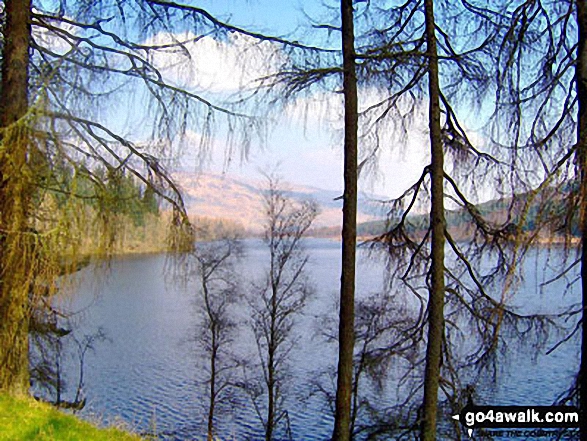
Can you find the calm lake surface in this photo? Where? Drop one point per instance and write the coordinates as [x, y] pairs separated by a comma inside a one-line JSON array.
[[148, 372]]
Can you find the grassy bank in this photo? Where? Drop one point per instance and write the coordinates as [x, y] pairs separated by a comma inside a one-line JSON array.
[[26, 419]]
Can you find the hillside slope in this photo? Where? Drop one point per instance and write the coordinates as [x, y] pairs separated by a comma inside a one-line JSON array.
[[546, 209], [241, 200]]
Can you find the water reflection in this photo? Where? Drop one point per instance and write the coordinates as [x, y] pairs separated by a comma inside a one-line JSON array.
[[149, 373]]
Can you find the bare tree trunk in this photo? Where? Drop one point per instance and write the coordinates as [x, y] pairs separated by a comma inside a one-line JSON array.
[[437, 223], [271, 347], [213, 353], [219, 290], [281, 296], [349, 231], [581, 81], [15, 191], [213, 357]]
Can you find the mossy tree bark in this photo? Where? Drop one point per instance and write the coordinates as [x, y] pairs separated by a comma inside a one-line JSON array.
[[437, 224], [17, 243], [349, 231]]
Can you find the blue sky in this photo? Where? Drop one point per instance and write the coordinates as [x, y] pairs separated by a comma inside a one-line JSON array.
[[267, 16], [305, 142], [305, 138]]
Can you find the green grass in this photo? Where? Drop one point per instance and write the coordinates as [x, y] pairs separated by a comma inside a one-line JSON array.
[[26, 419]]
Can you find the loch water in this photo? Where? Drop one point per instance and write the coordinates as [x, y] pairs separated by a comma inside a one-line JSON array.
[[149, 372]]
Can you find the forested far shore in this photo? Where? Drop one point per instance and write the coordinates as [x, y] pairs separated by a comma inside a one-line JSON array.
[[150, 236]]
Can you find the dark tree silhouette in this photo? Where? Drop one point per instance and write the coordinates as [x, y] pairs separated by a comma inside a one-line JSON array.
[[218, 291], [64, 67], [346, 339], [279, 298], [541, 116], [419, 61]]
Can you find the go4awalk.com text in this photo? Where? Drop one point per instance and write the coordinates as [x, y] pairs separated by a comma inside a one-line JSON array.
[[511, 419]]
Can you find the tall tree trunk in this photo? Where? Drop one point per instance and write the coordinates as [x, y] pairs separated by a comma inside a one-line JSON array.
[[437, 222], [15, 193], [581, 81], [349, 231]]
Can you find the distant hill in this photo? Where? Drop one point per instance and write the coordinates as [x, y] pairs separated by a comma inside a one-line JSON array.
[[499, 212], [239, 200]]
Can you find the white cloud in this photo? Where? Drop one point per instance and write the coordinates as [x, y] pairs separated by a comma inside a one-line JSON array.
[[56, 37], [308, 138], [207, 64], [320, 109]]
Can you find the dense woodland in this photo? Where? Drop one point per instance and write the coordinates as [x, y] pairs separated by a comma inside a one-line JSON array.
[[74, 185]]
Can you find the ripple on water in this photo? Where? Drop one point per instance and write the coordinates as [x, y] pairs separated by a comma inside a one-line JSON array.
[[150, 375]]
